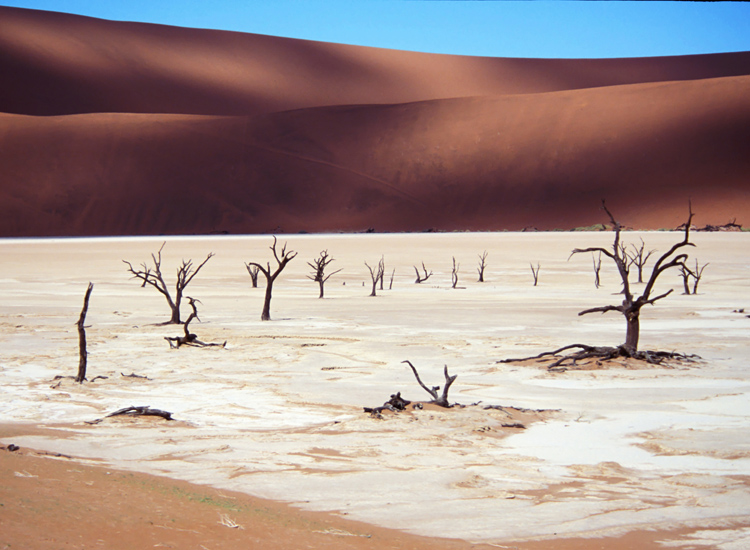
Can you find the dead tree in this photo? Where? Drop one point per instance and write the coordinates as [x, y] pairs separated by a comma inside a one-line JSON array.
[[631, 305], [376, 275], [82, 353], [535, 273], [253, 271], [597, 269], [639, 257], [441, 400], [422, 278], [318, 266], [697, 274], [393, 273], [190, 339], [153, 276], [454, 273], [687, 274], [281, 261], [482, 265]]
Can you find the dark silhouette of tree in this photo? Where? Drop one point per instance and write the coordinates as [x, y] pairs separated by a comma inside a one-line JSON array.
[[376, 275], [639, 257], [631, 305], [482, 265], [153, 276], [82, 353], [282, 259], [319, 266], [535, 273], [454, 273], [422, 278], [597, 268], [695, 274], [253, 271]]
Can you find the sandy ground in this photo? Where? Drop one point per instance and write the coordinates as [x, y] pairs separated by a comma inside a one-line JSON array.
[[641, 457]]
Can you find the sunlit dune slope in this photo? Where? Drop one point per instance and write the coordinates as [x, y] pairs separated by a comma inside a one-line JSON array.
[[111, 128], [56, 64], [512, 161]]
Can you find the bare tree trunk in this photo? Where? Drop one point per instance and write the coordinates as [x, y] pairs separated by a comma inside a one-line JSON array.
[[175, 306], [685, 274], [632, 333], [482, 266], [253, 271], [535, 273], [281, 261], [266, 313], [82, 353]]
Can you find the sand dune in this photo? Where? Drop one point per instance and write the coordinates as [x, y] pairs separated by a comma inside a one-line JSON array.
[[153, 129]]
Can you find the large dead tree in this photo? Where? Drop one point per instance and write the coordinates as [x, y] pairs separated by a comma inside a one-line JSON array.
[[282, 259], [82, 353], [631, 305], [153, 276], [319, 266]]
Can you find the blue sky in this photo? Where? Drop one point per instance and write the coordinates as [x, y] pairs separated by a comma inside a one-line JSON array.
[[480, 27]]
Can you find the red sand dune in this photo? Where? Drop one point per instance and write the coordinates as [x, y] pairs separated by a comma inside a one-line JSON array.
[[126, 128]]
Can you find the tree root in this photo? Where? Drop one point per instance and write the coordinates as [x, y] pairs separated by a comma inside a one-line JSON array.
[[601, 353]]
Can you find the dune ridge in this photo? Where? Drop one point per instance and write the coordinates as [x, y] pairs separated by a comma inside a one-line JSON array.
[[116, 128]]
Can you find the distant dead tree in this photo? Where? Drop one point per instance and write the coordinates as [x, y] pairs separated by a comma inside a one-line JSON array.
[[82, 353], [253, 271], [639, 257], [440, 400], [687, 274], [482, 265], [393, 273], [535, 273], [376, 274], [454, 273], [153, 276], [631, 305], [381, 267], [597, 269], [319, 266], [282, 259], [422, 278], [189, 339]]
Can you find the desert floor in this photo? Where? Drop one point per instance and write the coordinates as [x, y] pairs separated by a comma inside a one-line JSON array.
[[601, 454]]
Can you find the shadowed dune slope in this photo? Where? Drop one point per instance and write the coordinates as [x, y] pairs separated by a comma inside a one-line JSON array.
[[478, 163], [111, 128], [55, 64]]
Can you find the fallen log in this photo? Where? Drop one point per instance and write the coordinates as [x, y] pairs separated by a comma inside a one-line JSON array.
[[141, 411]]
